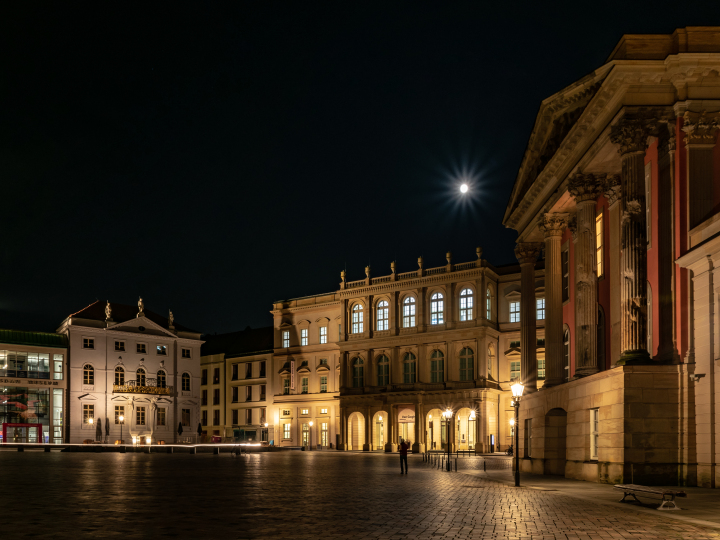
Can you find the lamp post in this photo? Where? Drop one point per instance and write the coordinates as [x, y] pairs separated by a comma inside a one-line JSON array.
[[517, 391], [267, 434], [121, 418], [311, 425], [447, 414]]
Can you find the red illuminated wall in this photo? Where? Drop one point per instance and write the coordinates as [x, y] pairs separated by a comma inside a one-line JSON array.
[[569, 307], [605, 283], [651, 156]]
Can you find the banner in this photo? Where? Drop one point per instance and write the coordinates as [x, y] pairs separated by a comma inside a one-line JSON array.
[[406, 414], [292, 374]]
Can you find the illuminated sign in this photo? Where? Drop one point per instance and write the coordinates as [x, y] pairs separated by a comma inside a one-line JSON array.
[[406, 414]]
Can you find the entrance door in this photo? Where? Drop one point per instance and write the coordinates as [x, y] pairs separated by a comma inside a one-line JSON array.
[[379, 435]]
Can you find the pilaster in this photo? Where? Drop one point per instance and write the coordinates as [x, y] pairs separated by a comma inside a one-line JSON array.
[[527, 254], [613, 193], [700, 136]]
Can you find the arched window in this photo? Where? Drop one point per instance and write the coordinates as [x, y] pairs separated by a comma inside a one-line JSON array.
[[436, 308], [467, 364], [185, 382], [161, 379], [119, 376], [140, 377], [409, 368], [409, 312], [437, 367], [490, 359], [566, 353], [649, 320], [88, 374], [466, 305], [383, 316], [383, 370], [488, 304], [357, 319], [358, 372]]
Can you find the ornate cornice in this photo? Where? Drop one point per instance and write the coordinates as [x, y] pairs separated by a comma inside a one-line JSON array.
[[612, 188], [553, 224], [528, 252], [700, 128], [586, 187], [632, 131]]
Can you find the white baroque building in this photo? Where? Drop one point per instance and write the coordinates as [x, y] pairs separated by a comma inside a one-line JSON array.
[[125, 362]]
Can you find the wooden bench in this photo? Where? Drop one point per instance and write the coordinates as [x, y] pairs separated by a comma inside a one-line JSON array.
[[667, 495]]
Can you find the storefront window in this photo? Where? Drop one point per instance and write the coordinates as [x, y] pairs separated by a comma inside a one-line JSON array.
[[58, 367], [29, 409]]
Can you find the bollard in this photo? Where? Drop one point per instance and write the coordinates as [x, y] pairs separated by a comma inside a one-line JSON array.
[[455, 464], [216, 450], [122, 449], [170, 450], [193, 450], [484, 466], [21, 449], [47, 448]]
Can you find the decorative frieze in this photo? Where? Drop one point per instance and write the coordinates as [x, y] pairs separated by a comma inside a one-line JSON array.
[[699, 128], [586, 187], [631, 132]]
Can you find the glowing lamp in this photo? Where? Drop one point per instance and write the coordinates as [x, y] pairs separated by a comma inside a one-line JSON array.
[[472, 415], [148, 440], [266, 424], [121, 418], [517, 389], [512, 421], [91, 421], [464, 188], [311, 423]]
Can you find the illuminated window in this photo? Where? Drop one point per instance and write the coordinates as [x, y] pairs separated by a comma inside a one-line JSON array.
[[140, 416], [162, 350], [303, 337], [88, 413], [286, 431], [140, 377], [119, 411], [514, 311], [409, 371], [286, 339], [323, 334], [185, 382], [436, 309], [140, 348], [119, 376], [161, 379], [88, 374], [304, 384], [541, 368], [304, 411], [437, 367], [490, 359], [599, 243], [540, 308], [383, 316], [383, 370], [514, 370], [466, 305], [323, 411], [358, 373], [357, 319], [409, 312], [88, 343], [286, 387], [467, 364], [161, 416], [488, 304], [323, 383], [58, 366]]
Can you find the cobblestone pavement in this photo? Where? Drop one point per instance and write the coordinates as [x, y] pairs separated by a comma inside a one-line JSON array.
[[299, 495]]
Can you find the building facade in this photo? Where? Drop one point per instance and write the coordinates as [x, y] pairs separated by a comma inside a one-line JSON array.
[[620, 187], [131, 372], [33, 387]]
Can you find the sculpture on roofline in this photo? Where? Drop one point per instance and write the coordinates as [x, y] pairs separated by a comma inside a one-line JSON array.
[[108, 311], [141, 306]]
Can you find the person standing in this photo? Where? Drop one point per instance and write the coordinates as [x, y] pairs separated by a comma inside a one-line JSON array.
[[404, 446]]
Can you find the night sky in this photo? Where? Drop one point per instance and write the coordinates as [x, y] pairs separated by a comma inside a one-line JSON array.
[[216, 160]]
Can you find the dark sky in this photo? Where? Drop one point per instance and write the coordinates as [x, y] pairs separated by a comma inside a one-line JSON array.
[[214, 160]]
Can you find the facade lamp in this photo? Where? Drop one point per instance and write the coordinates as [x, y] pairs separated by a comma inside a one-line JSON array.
[[91, 421], [121, 418], [311, 425], [447, 414], [517, 392]]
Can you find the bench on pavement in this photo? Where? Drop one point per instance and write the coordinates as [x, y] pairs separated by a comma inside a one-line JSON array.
[[667, 495]]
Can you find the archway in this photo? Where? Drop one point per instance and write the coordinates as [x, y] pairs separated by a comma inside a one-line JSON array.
[[466, 429], [555, 441], [356, 431], [379, 430], [435, 435]]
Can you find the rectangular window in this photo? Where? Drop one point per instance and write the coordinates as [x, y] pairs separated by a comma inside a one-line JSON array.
[[285, 339], [599, 243], [514, 311], [203, 398], [514, 370], [248, 370], [161, 416], [324, 434], [305, 435], [88, 343], [409, 372], [185, 417], [262, 392], [437, 370], [234, 372], [286, 387], [120, 346], [648, 203], [119, 411], [248, 393], [186, 353], [303, 337], [594, 423], [262, 368], [565, 262], [88, 413], [140, 416], [528, 438], [304, 411], [323, 384], [541, 368], [286, 412], [216, 417], [541, 343], [514, 344], [304, 385], [216, 376], [383, 316], [409, 313], [540, 309], [248, 416], [58, 367], [162, 350], [203, 379], [235, 394], [140, 348], [286, 431], [204, 418], [216, 396], [323, 334], [323, 411], [235, 417]]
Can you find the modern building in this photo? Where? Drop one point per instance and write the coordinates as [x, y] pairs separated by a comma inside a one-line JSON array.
[[133, 372], [33, 387], [236, 385], [620, 187]]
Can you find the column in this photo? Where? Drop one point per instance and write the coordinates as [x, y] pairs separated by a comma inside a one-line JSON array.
[[419, 442], [700, 134], [366, 444], [390, 445], [553, 226], [343, 428], [479, 428], [527, 254], [613, 192], [585, 188], [631, 134]]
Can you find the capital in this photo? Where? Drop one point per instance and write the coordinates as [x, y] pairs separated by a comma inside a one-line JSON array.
[[612, 188], [699, 128], [585, 187], [553, 224], [528, 252], [631, 133]]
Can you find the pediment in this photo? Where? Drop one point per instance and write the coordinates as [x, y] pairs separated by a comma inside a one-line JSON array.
[[150, 328], [514, 351], [322, 367]]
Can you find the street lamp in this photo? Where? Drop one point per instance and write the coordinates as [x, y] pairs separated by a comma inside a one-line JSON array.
[[517, 391], [311, 425], [464, 188], [447, 414], [122, 421]]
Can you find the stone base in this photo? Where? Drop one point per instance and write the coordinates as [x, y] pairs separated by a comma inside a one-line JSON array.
[[366, 447], [418, 448], [635, 358], [390, 447]]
